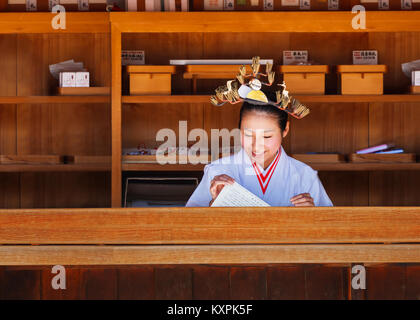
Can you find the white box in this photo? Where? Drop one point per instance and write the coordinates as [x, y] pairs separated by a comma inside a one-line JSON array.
[[295, 57], [415, 78], [291, 3], [82, 79], [132, 57], [365, 57], [67, 79]]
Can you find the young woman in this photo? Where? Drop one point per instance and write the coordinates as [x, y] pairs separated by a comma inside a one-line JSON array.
[[262, 166]]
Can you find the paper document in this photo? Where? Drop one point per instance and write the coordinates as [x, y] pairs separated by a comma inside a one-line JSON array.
[[237, 196]]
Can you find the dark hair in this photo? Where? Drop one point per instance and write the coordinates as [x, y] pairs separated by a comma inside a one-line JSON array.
[[270, 110]]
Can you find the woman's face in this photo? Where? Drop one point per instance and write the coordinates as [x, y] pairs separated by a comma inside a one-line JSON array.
[[261, 137]]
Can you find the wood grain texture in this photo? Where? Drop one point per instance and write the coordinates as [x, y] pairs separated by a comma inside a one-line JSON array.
[[228, 225], [211, 282], [136, 283], [412, 284], [58, 190], [248, 283], [325, 283], [207, 254], [286, 282], [269, 21], [173, 283], [28, 22], [9, 190], [99, 283], [20, 284], [385, 282], [116, 133], [73, 290]]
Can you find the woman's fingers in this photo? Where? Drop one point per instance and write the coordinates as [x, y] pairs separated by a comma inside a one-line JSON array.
[[303, 199], [218, 183]]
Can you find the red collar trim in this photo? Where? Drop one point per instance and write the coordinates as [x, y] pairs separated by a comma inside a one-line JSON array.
[[261, 178]]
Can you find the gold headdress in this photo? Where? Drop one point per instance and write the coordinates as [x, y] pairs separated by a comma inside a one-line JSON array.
[[249, 90]]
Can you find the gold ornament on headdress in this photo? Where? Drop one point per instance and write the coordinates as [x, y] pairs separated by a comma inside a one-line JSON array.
[[246, 87]]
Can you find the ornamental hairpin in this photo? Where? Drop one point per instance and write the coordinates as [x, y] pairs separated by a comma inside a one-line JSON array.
[[250, 90]]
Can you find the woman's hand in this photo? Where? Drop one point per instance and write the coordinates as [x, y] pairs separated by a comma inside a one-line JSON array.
[[302, 200], [218, 183]]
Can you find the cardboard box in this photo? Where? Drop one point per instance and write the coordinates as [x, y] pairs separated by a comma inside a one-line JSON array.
[[67, 79], [362, 79], [150, 80], [304, 79], [82, 79]]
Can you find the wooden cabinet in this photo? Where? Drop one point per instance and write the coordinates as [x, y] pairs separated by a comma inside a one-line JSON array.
[[35, 121]]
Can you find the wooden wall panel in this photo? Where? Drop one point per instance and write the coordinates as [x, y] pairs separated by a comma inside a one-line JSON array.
[[8, 65], [136, 283], [346, 188], [20, 284], [173, 283], [9, 191], [397, 188], [99, 283], [248, 283], [286, 282], [385, 282], [325, 282], [64, 129], [394, 49], [65, 190], [412, 285], [142, 122], [331, 128], [211, 283], [395, 122], [73, 290]]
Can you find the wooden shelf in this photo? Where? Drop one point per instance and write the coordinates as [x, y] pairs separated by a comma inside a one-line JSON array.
[[93, 167], [40, 22], [303, 98], [315, 166], [226, 22], [54, 99]]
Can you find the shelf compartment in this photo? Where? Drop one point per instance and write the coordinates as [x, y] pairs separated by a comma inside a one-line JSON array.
[[54, 99], [91, 167], [389, 98]]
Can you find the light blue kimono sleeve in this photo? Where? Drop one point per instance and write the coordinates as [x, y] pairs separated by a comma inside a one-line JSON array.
[[201, 196], [318, 193]]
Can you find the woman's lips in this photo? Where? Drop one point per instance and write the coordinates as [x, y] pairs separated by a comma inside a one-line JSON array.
[[257, 154]]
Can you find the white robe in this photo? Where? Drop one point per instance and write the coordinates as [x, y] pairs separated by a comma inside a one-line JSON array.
[[289, 177]]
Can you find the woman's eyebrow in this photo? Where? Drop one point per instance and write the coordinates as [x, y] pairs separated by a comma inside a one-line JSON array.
[[246, 129]]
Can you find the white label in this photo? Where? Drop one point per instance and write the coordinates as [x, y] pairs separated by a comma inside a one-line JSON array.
[[383, 4], [254, 3], [333, 4], [213, 4], [30, 5], [83, 5], [406, 5], [132, 57], [365, 57], [67, 79], [295, 57], [82, 79], [228, 5], [415, 78], [289, 3], [268, 5], [305, 4]]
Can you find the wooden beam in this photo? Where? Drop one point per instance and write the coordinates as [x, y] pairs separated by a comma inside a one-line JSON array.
[[245, 225], [40, 22], [376, 21], [205, 254], [116, 138]]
